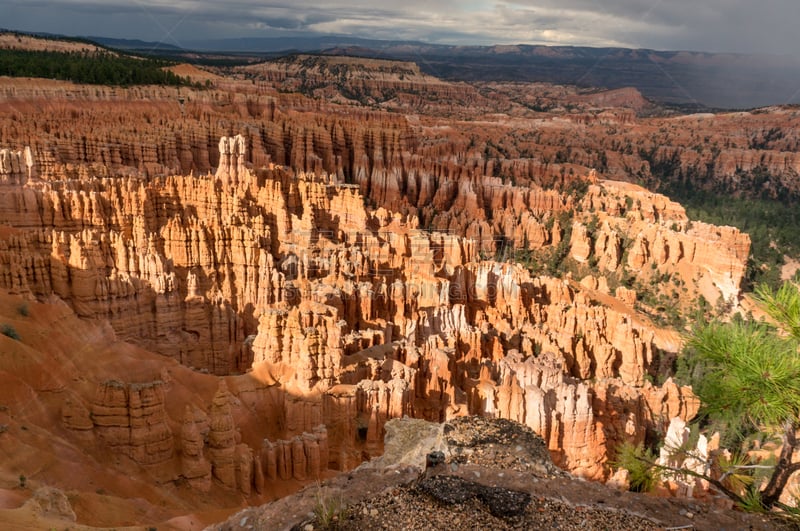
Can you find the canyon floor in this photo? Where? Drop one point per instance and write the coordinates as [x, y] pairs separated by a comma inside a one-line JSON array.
[[212, 297]]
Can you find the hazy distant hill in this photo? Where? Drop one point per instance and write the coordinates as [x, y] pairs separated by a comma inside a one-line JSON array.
[[276, 44], [695, 79], [134, 44], [692, 78], [689, 78]]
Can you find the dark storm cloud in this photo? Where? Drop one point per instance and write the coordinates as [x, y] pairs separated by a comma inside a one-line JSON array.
[[714, 25]]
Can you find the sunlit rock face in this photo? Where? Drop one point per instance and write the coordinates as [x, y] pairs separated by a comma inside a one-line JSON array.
[[356, 316]]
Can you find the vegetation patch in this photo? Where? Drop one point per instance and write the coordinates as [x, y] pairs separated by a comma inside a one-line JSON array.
[[773, 225], [747, 377], [104, 68], [9, 331]]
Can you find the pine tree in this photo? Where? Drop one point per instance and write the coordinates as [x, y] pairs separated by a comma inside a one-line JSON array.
[[747, 376]]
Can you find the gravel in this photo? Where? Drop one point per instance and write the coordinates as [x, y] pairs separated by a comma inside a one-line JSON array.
[[409, 508], [487, 474], [440, 499], [499, 444]]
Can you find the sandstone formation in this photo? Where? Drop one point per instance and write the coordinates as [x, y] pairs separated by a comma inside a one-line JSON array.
[[525, 131], [303, 457], [297, 273], [50, 502], [676, 453], [222, 438], [342, 79], [359, 312], [194, 465], [232, 156], [132, 418], [75, 416], [15, 166]]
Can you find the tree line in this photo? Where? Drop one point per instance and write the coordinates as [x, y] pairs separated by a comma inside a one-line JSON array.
[[99, 68], [773, 226]]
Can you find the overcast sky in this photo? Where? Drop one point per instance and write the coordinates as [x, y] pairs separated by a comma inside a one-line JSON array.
[[749, 26]]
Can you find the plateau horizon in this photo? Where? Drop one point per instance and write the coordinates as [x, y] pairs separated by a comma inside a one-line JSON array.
[[711, 26]]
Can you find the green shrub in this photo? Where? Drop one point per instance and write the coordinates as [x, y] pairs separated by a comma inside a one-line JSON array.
[[642, 475], [329, 510], [9, 331], [747, 377]]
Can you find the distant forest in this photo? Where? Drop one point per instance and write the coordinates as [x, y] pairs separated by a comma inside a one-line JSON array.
[[758, 204], [103, 68], [773, 226]]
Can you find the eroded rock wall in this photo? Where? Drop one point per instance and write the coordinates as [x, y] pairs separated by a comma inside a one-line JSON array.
[[359, 315]]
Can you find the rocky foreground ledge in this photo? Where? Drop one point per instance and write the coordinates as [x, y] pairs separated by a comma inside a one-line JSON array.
[[477, 473]]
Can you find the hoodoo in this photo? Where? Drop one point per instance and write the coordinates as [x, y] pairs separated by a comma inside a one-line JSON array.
[[216, 303]]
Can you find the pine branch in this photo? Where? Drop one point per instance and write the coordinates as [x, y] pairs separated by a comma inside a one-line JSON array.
[[744, 467], [790, 428], [794, 467]]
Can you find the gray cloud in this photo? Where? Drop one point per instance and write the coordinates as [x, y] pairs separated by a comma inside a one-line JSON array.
[[712, 25]]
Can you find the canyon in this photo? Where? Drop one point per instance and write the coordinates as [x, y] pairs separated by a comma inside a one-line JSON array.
[[220, 295]]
